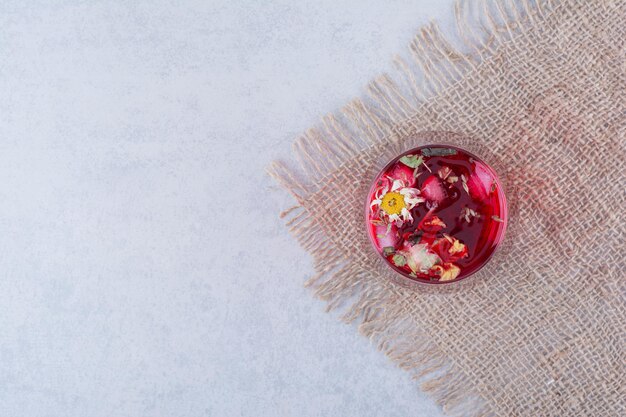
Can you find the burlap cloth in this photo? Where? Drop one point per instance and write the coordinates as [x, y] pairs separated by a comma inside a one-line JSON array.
[[537, 90]]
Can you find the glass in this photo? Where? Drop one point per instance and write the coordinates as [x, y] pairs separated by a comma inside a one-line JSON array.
[[436, 213]]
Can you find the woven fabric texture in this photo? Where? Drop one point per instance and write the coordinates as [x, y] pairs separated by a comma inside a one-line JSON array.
[[536, 88]]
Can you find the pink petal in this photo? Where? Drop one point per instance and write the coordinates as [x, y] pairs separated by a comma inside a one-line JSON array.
[[432, 190], [479, 182], [387, 239]]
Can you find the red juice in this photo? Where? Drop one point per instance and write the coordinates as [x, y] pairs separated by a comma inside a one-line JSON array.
[[436, 213]]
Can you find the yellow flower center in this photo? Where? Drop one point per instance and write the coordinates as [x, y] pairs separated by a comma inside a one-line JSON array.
[[393, 203]]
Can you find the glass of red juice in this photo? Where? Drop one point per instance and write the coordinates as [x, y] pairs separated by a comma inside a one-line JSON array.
[[436, 213]]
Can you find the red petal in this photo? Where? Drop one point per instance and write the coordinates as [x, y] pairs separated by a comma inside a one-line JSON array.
[[403, 173], [442, 248]]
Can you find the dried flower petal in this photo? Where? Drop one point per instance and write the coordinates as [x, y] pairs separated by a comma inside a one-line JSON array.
[[399, 260], [389, 250], [431, 224], [447, 271], [420, 259], [444, 172], [468, 214], [449, 248], [412, 161], [457, 247]]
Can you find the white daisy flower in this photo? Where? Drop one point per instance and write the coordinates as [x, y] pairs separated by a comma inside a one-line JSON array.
[[393, 203]]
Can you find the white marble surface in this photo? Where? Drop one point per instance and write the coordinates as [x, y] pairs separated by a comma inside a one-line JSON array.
[[144, 269]]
